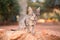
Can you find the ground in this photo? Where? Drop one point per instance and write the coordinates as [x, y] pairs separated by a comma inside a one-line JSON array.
[[46, 31]]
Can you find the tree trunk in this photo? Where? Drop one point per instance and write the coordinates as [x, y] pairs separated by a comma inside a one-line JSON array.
[[23, 11]]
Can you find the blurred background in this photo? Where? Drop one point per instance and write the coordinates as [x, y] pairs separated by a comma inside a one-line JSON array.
[[9, 9], [49, 11]]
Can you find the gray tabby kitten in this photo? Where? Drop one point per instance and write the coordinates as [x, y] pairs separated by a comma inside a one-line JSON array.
[[30, 21]]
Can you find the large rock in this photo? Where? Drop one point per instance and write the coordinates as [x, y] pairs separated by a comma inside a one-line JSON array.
[[23, 35]]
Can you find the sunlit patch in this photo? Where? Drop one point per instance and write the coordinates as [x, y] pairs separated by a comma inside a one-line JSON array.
[[53, 20], [41, 21], [47, 21]]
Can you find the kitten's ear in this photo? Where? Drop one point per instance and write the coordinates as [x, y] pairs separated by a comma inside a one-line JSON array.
[[30, 11], [38, 11]]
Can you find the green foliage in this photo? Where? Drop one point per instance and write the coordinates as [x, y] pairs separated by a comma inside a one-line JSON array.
[[33, 4], [9, 8], [49, 3]]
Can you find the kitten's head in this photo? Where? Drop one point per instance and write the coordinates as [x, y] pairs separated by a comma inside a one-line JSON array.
[[30, 11]]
